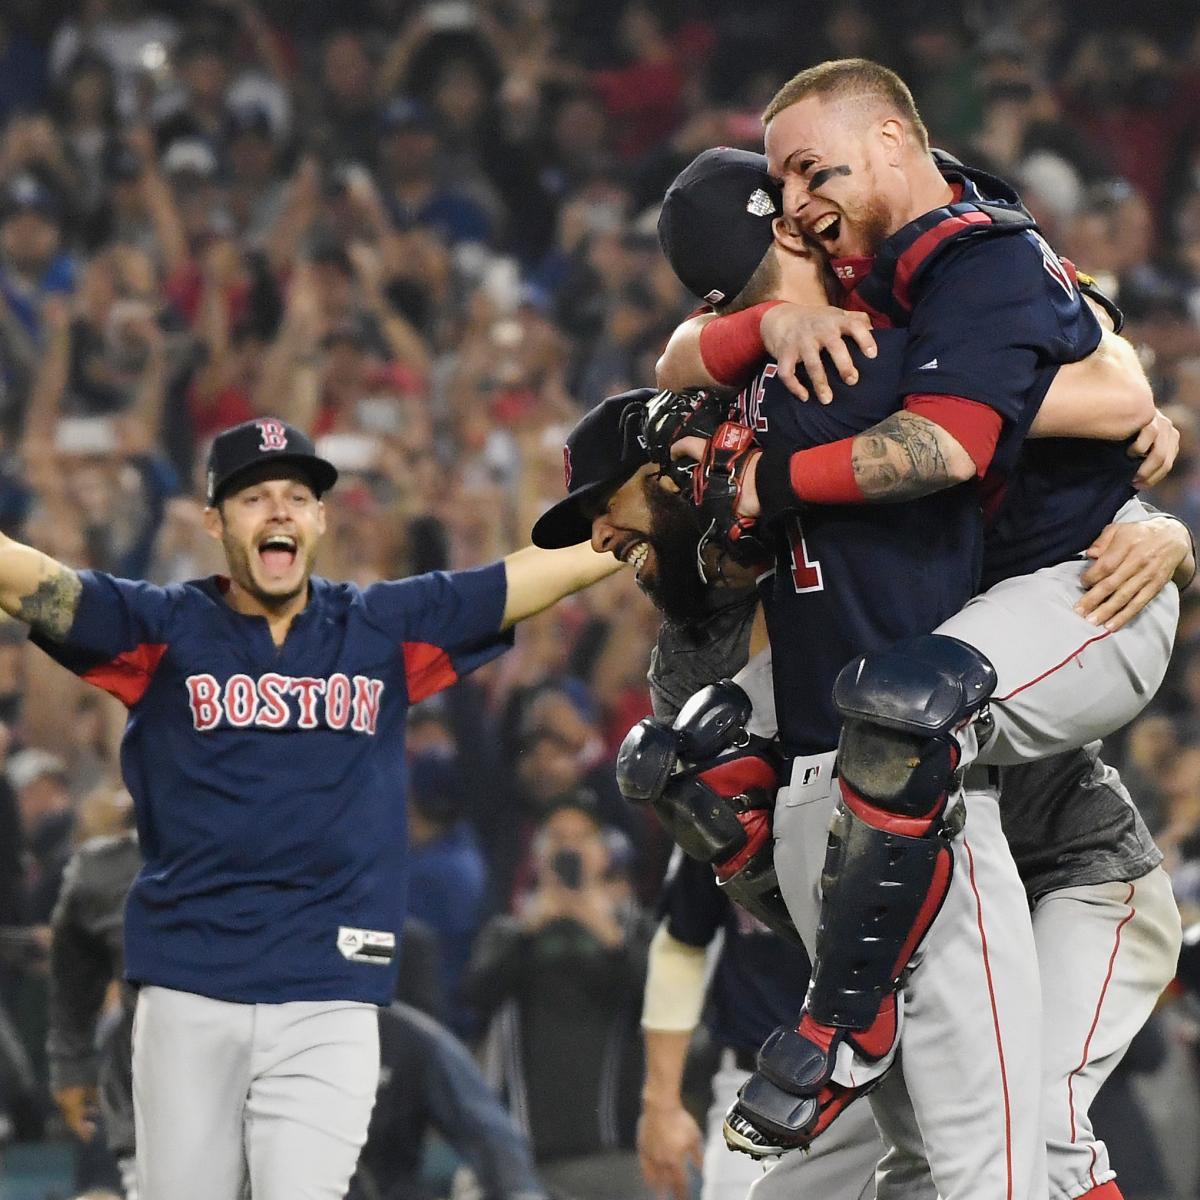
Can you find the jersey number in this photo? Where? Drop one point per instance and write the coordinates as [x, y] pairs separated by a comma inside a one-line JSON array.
[[806, 572]]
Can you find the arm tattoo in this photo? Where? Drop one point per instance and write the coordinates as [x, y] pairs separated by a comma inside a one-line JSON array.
[[899, 459], [50, 610]]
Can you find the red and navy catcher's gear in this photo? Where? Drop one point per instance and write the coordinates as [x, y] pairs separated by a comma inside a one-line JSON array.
[[887, 870], [713, 784]]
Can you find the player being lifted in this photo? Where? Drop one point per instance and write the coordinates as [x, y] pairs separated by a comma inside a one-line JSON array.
[[265, 754]]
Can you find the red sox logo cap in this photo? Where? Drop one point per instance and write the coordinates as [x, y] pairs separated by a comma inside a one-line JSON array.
[[263, 440]]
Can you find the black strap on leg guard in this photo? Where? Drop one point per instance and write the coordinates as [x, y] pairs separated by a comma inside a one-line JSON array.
[[889, 863]]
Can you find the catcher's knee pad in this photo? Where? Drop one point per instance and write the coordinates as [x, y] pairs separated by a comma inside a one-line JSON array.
[[901, 708], [888, 865]]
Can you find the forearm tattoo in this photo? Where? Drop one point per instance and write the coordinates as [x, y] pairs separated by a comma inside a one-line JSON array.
[[50, 610], [900, 458]]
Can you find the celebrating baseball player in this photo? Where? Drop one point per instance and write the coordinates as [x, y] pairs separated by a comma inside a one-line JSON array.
[[1057, 525], [265, 755], [1083, 852]]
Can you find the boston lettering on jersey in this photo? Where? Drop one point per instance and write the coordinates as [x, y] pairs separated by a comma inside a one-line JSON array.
[[280, 701], [269, 781]]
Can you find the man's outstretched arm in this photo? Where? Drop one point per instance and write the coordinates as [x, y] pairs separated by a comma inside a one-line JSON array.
[[38, 590], [539, 578]]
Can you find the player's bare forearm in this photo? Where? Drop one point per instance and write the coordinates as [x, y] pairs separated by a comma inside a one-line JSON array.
[[539, 578], [906, 456], [681, 364], [36, 589], [667, 1136], [1106, 396]]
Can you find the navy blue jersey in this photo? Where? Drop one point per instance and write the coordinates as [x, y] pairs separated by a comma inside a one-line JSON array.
[[759, 981], [989, 306], [269, 781], [856, 577]]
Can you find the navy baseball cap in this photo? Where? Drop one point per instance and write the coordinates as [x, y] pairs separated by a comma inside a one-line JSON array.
[[263, 440], [716, 221], [602, 451]]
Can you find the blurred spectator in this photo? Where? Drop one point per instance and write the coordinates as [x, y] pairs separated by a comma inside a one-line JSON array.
[[89, 1041], [447, 883], [561, 984], [44, 805], [132, 36], [22, 70], [429, 1081]]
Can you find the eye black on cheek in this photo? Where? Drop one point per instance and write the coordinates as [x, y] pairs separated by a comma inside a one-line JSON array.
[[822, 177]]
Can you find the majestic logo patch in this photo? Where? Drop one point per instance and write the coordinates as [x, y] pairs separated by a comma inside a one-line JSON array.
[[715, 296], [374, 946], [273, 434], [760, 204]]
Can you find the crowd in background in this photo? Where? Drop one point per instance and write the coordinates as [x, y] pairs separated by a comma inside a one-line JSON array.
[[426, 232]]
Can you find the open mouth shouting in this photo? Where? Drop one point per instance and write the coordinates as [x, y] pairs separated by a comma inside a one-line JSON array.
[[827, 228], [278, 553]]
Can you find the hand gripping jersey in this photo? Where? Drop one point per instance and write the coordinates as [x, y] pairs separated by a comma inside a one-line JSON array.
[[269, 781]]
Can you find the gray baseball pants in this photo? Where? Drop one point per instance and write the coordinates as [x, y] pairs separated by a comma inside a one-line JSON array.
[[277, 1096]]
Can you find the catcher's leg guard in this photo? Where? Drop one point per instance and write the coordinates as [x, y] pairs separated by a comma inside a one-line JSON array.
[[888, 864], [887, 870]]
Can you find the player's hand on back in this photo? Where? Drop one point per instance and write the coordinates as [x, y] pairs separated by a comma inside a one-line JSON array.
[[1156, 445], [793, 334], [1131, 563]]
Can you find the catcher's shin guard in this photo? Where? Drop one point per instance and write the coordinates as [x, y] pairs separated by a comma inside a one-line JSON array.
[[889, 863]]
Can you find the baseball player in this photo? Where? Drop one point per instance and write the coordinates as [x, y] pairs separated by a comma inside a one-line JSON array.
[[1078, 836], [264, 752], [1039, 321]]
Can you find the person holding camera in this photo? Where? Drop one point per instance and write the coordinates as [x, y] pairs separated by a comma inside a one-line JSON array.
[[560, 983]]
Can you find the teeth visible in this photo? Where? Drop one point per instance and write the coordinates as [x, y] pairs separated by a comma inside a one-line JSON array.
[[637, 556], [824, 223], [278, 542]]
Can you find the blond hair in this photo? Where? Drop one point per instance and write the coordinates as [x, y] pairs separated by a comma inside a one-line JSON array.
[[851, 79]]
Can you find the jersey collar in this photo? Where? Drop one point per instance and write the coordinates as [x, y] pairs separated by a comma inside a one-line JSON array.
[[886, 293]]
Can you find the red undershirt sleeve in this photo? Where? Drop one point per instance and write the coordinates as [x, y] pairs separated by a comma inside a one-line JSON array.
[[825, 474]]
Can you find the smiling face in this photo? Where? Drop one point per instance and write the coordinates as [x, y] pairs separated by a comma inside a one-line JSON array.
[[646, 523], [840, 165], [270, 528]]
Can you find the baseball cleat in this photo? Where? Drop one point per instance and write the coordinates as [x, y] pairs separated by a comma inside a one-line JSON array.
[[741, 1136]]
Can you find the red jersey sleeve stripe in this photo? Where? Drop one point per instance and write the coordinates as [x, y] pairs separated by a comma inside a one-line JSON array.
[[921, 249], [975, 426], [128, 675], [427, 669]]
